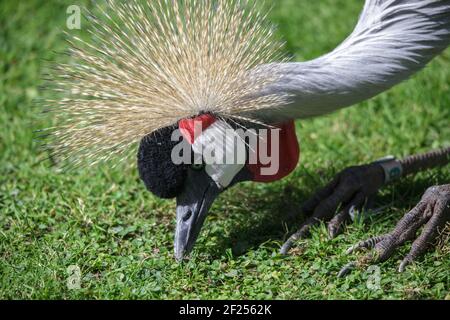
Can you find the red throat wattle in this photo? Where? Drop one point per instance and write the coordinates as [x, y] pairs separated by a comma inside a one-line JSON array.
[[289, 146], [289, 154]]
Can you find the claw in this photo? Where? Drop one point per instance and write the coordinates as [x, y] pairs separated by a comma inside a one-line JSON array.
[[287, 246], [406, 262], [352, 249], [346, 270], [302, 233], [334, 231], [336, 225], [432, 213]]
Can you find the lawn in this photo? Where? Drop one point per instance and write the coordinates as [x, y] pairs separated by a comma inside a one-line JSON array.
[[102, 222]]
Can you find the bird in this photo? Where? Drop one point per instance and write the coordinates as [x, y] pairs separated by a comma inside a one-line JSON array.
[[159, 76]]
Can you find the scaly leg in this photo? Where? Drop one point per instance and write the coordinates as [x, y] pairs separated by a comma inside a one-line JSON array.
[[351, 190], [432, 213]]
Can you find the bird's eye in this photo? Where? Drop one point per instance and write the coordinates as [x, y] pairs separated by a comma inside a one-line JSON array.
[[197, 167]]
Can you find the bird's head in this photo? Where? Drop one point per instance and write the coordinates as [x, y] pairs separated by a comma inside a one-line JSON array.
[[199, 158]]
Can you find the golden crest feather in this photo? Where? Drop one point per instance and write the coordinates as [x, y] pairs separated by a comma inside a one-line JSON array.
[[149, 64]]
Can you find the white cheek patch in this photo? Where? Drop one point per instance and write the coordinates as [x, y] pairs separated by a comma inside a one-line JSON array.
[[219, 149], [223, 175]]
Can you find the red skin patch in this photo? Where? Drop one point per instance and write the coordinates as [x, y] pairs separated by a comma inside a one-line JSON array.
[[289, 155], [187, 126]]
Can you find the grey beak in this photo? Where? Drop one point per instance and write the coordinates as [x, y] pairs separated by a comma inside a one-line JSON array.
[[193, 206]]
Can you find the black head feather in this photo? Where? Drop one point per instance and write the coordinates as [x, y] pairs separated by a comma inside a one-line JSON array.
[[161, 176]]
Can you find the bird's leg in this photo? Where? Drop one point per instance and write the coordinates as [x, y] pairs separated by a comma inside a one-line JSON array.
[[432, 213], [350, 191], [353, 188]]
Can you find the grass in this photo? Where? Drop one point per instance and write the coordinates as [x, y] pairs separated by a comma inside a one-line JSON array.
[[103, 221]]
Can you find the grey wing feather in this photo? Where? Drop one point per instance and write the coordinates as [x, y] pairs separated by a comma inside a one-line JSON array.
[[393, 40]]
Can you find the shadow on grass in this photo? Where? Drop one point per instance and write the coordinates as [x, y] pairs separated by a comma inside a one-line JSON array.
[[254, 218], [274, 213]]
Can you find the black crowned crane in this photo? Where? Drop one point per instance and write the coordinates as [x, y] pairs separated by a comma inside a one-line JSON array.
[[176, 75]]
